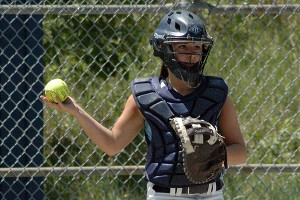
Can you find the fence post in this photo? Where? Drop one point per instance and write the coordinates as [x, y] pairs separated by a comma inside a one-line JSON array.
[[21, 80]]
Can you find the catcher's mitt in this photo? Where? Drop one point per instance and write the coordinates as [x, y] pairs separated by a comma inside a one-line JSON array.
[[204, 152]]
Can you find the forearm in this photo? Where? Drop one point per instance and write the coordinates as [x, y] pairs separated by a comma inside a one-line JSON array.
[[236, 154]]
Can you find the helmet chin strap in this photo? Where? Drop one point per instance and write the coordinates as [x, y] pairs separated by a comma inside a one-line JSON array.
[[191, 75], [179, 89], [192, 84]]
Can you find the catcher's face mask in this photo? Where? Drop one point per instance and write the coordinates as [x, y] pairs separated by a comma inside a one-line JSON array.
[[182, 27], [185, 60]]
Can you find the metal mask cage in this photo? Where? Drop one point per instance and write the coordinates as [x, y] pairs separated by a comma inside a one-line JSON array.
[[191, 75], [188, 39], [170, 50], [205, 43]]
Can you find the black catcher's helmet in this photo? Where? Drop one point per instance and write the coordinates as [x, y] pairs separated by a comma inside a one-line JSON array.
[[181, 27]]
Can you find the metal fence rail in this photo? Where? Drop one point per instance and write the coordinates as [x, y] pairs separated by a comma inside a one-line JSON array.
[[145, 9], [98, 48], [130, 170]]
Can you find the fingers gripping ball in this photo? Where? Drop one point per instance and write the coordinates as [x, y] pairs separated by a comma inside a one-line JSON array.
[[56, 87]]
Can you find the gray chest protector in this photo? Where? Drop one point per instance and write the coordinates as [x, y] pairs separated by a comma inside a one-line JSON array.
[[158, 103]]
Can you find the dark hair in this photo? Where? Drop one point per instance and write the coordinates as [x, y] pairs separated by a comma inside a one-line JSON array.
[[164, 71]]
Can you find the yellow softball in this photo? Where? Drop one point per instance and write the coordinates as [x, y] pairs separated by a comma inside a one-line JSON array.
[[56, 87]]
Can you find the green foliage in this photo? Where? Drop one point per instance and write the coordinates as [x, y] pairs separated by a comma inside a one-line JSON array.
[[256, 54], [261, 186]]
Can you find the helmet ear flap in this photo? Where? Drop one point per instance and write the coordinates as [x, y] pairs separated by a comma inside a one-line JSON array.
[[207, 47], [206, 50], [157, 47]]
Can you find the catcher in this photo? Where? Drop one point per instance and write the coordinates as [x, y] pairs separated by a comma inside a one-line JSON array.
[[191, 127]]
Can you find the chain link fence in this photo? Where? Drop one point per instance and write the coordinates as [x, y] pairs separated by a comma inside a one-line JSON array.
[[98, 48]]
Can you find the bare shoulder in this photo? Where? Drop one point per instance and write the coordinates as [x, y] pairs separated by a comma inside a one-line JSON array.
[[131, 108]]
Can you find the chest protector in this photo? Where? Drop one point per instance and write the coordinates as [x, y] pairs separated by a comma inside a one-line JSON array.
[[158, 103]]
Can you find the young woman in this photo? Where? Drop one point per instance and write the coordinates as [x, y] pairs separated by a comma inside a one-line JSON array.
[[181, 90]]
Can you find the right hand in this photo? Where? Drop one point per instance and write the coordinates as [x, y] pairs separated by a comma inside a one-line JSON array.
[[69, 105]]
